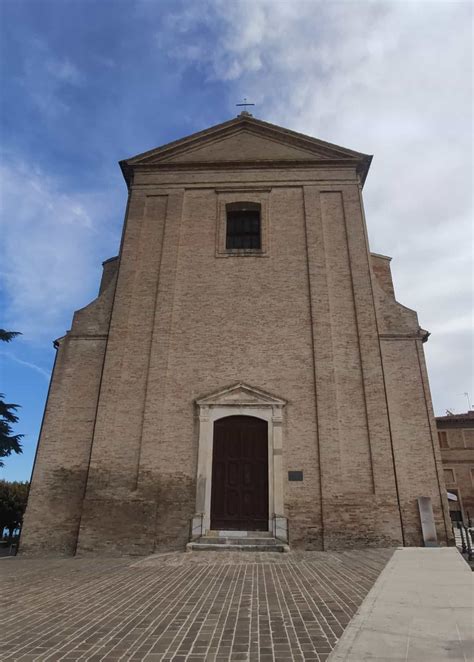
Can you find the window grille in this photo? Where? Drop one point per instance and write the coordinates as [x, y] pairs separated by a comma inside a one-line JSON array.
[[243, 228]]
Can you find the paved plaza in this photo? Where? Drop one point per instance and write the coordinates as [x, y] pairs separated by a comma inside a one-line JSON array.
[[211, 606]]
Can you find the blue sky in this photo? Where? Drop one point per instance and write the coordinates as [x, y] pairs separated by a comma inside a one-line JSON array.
[[87, 83]]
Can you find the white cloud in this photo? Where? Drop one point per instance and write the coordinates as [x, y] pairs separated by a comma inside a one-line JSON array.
[[64, 71], [53, 242], [27, 364], [47, 77], [388, 78]]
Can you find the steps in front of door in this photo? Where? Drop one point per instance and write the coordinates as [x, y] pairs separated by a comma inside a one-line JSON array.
[[237, 541]]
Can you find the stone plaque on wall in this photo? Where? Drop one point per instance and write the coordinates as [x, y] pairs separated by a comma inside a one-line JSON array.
[[295, 475], [427, 522]]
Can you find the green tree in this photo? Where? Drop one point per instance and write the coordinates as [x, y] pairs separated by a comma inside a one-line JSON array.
[[9, 442], [6, 336], [13, 497]]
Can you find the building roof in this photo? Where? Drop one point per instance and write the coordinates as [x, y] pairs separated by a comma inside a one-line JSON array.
[[466, 416], [194, 150]]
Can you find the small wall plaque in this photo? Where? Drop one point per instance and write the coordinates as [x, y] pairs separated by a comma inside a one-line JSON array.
[[295, 475], [428, 526]]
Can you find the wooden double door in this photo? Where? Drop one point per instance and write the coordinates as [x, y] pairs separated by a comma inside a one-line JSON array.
[[239, 497]]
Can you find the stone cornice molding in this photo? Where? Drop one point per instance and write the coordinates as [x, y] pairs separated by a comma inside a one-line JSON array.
[[420, 334], [240, 395], [318, 151]]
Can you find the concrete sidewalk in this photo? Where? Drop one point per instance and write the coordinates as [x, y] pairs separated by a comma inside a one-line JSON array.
[[420, 609]]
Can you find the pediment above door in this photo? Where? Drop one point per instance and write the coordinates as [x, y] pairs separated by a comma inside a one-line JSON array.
[[240, 395]]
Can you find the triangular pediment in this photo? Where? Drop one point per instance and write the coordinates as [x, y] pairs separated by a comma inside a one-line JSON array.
[[241, 395], [246, 139], [243, 145]]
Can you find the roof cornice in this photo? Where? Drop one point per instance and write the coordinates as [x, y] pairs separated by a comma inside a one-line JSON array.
[[328, 153]]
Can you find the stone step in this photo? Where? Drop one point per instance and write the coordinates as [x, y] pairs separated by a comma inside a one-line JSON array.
[[237, 534], [238, 541], [271, 545]]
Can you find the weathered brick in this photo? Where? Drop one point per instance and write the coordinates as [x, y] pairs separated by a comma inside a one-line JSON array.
[[312, 320]]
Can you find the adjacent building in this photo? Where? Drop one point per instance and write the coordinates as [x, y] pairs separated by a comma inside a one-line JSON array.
[[456, 440]]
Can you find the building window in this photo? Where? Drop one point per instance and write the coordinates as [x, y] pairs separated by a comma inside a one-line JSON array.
[[449, 476], [243, 222], [243, 227], [455, 509], [468, 438], [443, 439]]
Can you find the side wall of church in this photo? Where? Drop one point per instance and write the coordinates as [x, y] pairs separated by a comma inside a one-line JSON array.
[[358, 486], [52, 518], [413, 429], [415, 444], [119, 511]]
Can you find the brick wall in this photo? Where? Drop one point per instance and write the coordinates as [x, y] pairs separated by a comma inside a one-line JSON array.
[[303, 322]]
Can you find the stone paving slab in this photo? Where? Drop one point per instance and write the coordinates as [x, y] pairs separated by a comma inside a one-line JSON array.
[[420, 609], [201, 607]]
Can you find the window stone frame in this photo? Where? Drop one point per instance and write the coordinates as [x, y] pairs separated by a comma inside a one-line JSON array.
[[259, 196]]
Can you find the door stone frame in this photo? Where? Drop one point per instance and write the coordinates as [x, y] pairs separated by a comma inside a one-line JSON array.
[[238, 400]]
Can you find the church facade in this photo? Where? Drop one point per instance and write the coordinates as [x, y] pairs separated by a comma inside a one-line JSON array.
[[245, 365]]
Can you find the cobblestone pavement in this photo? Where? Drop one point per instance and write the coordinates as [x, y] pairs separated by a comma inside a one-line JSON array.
[[206, 606]]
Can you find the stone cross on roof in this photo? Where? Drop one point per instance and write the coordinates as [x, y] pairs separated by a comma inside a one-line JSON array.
[[245, 112]]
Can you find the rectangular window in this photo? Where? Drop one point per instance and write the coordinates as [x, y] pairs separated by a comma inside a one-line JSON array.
[[242, 223], [468, 438], [443, 439], [456, 438], [243, 226], [449, 476], [455, 506]]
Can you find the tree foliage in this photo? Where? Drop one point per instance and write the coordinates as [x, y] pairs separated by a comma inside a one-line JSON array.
[[9, 442], [13, 497], [7, 336]]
